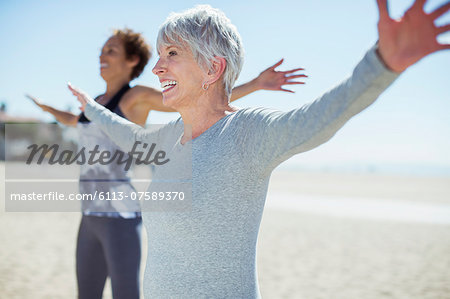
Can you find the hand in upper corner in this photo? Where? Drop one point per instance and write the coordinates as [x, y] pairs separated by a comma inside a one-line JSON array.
[[405, 41]]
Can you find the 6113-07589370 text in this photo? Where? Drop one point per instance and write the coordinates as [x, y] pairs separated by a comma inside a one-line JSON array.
[[57, 196]]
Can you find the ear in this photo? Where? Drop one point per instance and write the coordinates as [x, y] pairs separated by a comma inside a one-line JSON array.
[[133, 61], [218, 67]]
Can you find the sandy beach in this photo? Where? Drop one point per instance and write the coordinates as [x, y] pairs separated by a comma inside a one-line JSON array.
[[309, 245]]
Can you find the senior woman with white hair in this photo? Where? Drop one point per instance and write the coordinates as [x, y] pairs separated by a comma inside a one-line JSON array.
[[209, 250]]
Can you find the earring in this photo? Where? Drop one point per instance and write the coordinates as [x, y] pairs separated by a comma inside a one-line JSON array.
[[205, 86]]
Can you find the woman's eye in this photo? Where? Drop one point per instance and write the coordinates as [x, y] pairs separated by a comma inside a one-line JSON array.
[[171, 53]]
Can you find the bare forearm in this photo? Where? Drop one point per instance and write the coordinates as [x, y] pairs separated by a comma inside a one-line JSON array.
[[243, 90], [269, 79], [64, 117]]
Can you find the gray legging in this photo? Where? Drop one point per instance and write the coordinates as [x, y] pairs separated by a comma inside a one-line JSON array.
[[111, 247]]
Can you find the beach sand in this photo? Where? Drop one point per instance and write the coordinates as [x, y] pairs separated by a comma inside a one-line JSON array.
[[301, 254]]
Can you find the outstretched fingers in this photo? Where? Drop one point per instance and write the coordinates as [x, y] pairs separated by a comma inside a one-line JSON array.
[[292, 71], [35, 100], [383, 9], [293, 82], [73, 89], [82, 97], [444, 47], [77, 92], [286, 90], [443, 29], [440, 11], [296, 76], [273, 67], [289, 80], [419, 3]]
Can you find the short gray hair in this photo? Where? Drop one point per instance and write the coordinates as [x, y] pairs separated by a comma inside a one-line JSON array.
[[208, 33]]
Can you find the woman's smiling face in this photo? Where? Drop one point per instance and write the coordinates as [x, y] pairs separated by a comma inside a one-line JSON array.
[[180, 76], [113, 59]]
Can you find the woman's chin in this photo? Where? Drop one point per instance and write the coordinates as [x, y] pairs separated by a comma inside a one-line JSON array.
[[168, 101], [102, 74]]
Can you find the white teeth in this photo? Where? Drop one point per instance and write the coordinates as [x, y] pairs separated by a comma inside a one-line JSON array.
[[103, 65], [167, 84]]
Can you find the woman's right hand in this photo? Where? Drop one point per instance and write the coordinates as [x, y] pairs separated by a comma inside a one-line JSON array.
[[38, 103], [82, 97]]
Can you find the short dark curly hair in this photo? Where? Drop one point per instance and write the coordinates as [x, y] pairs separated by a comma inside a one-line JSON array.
[[135, 45]]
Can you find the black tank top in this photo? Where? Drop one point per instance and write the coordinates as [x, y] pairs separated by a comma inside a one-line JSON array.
[[110, 178], [111, 105]]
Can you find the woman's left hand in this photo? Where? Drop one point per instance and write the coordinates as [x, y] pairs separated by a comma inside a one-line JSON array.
[[82, 97], [270, 79], [405, 41]]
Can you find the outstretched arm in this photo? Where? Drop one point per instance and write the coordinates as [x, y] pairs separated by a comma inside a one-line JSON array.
[[269, 79], [64, 117], [405, 41], [401, 43], [123, 132]]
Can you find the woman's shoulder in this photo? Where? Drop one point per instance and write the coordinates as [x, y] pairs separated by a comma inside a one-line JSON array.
[[254, 113], [142, 90], [139, 96]]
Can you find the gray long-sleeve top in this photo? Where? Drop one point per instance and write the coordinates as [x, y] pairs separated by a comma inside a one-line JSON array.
[[209, 249]]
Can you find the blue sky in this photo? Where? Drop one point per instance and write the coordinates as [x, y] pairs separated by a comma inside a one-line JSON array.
[[47, 43]]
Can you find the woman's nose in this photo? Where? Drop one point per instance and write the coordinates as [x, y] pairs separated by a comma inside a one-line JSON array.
[[158, 69]]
